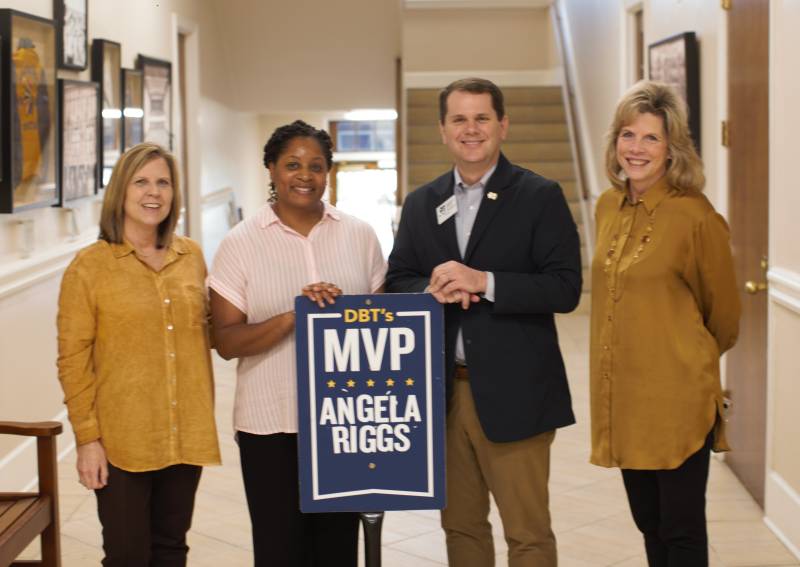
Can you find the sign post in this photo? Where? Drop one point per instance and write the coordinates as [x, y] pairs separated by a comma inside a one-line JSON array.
[[370, 372], [372, 522]]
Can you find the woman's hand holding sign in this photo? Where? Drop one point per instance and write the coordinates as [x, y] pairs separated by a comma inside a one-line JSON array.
[[322, 292]]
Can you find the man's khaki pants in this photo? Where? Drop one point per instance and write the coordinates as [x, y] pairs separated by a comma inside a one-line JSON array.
[[515, 473]]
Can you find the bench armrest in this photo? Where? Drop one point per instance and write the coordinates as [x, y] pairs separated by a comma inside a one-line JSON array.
[[31, 429]]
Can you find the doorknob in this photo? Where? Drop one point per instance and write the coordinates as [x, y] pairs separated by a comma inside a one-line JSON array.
[[753, 288]]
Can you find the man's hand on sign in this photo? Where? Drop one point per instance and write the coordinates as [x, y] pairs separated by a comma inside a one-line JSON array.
[[322, 292], [453, 282]]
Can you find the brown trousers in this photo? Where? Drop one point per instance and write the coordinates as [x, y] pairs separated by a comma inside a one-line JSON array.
[[515, 473]]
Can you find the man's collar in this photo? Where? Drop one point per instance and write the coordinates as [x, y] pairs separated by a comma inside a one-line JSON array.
[[443, 185], [459, 181]]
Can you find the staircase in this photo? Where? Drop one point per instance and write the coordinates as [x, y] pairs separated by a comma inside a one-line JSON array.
[[538, 139]]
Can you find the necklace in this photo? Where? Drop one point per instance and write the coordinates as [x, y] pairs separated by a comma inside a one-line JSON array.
[[615, 249]]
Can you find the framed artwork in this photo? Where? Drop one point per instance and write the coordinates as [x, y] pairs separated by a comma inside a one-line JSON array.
[[79, 103], [106, 71], [675, 61], [29, 112], [157, 83], [2, 124], [72, 21], [132, 108]]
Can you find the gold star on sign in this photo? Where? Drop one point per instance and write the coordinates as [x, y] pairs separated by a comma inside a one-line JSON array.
[[409, 381], [370, 383], [390, 382], [331, 384], [351, 383]]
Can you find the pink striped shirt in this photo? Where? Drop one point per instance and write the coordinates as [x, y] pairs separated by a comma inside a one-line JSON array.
[[260, 267]]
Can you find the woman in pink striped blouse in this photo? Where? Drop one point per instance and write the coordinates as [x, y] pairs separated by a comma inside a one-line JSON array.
[[296, 244]]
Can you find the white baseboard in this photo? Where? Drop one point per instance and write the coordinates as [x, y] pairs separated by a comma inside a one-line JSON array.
[[18, 468], [782, 511]]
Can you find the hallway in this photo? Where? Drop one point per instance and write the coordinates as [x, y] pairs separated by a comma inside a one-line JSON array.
[[590, 514]]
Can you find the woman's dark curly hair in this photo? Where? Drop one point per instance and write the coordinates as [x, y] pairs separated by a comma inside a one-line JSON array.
[[298, 129]]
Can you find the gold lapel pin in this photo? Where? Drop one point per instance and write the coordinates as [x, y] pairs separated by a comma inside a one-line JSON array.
[[492, 195]]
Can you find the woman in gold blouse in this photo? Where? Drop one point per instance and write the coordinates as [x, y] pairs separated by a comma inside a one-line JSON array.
[[664, 308], [134, 363]]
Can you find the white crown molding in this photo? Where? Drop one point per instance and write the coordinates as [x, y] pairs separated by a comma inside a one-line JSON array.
[[785, 278], [21, 274], [440, 79], [474, 4], [784, 288], [785, 300]]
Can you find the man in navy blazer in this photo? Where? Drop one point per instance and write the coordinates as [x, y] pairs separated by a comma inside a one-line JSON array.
[[497, 245]]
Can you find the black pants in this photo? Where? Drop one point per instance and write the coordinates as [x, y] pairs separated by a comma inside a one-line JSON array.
[[146, 515], [669, 508], [282, 535]]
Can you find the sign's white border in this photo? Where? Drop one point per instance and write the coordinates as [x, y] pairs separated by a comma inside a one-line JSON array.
[[313, 413]]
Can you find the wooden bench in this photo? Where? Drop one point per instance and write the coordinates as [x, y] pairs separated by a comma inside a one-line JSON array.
[[25, 515]]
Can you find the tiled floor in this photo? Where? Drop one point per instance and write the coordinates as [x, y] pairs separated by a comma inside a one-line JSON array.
[[590, 514]]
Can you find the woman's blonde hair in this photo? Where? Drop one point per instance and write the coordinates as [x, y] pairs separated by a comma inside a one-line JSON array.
[[684, 166], [113, 214]]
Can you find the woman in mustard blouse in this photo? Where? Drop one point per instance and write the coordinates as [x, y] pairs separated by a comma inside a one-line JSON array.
[[664, 308], [134, 363]]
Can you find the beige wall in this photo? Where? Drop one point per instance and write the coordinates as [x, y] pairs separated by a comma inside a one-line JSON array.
[[456, 40], [227, 147], [784, 124], [28, 384], [231, 150], [783, 450], [289, 55]]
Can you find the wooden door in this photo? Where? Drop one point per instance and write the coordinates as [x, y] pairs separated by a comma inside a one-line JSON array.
[[748, 100]]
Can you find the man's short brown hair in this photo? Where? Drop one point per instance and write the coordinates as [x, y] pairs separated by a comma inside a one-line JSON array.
[[473, 85]]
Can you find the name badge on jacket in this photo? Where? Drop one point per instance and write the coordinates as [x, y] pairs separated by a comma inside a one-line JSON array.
[[446, 209]]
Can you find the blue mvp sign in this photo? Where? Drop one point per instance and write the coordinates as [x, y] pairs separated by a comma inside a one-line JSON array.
[[371, 407]]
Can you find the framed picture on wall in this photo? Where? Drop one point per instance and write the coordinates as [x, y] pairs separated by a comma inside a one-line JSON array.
[[675, 61], [2, 124], [106, 69], [29, 112], [72, 21], [78, 135], [157, 83], [132, 108]]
